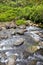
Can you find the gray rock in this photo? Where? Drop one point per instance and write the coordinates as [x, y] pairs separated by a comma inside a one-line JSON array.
[[22, 27], [19, 42], [21, 32], [13, 33], [3, 37], [12, 60]]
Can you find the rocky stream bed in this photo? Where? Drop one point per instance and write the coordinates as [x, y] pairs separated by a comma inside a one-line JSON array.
[[22, 45]]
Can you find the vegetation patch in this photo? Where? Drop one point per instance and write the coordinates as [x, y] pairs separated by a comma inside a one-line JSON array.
[[20, 22]]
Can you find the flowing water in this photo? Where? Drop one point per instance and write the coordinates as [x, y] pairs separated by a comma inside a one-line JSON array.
[[22, 57]]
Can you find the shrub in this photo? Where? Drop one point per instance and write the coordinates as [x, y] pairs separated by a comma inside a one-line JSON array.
[[20, 22]]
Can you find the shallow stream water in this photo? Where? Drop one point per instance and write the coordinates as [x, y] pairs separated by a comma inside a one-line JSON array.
[[22, 57]]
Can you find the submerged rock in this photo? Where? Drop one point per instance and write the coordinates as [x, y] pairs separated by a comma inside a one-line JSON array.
[[32, 49], [32, 62], [26, 54]]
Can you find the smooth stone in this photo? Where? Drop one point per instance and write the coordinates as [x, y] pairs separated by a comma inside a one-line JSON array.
[[13, 33], [19, 42], [3, 36], [21, 32], [41, 43], [22, 27], [12, 60]]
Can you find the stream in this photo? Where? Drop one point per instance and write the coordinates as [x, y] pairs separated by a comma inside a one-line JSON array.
[[20, 53]]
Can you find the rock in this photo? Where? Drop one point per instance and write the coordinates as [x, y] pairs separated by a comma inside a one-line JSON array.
[[3, 37], [32, 62], [2, 63], [22, 27], [41, 35], [26, 54], [39, 51], [21, 32], [41, 43], [39, 63], [19, 42], [12, 60], [10, 25], [0, 28], [32, 49], [7, 26], [13, 33], [13, 26]]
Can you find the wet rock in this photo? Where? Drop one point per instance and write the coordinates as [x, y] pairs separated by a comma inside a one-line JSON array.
[[19, 42], [3, 37], [26, 54], [12, 60], [0, 28], [2, 63], [10, 25], [21, 32], [13, 33], [41, 35], [32, 49], [22, 27], [13, 26], [41, 43], [32, 62], [39, 51], [39, 63], [7, 26]]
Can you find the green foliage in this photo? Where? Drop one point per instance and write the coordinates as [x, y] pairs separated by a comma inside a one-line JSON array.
[[18, 9], [20, 22]]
